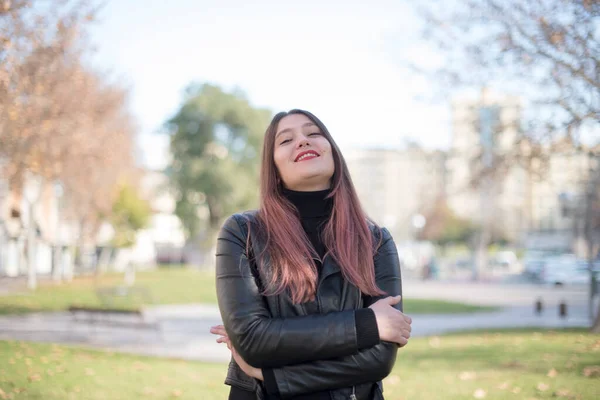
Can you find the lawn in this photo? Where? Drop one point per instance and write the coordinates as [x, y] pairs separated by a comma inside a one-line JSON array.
[[519, 364], [167, 286]]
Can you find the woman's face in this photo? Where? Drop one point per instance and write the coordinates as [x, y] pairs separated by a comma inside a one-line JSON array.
[[302, 154]]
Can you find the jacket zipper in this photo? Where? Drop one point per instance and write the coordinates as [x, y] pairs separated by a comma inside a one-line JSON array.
[[357, 305], [353, 395]]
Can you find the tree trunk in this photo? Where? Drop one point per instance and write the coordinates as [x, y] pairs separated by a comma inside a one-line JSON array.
[[596, 325], [78, 265]]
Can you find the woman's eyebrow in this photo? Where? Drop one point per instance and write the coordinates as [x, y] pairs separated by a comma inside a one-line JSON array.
[[290, 129]]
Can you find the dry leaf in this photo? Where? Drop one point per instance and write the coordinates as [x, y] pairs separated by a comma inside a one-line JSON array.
[[513, 364], [552, 373], [177, 393], [89, 372], [3, 395], [503, 386], [563, 393], [516, 390], [467, 376], [44, 360], [35, 378], [542, 386], [148, 391], [479, 394], [28, 361], [592, 372]]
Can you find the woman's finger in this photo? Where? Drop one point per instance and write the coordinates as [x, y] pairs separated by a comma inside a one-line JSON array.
[[218, 330]]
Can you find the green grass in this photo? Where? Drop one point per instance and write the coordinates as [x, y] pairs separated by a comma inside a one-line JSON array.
[[167, 286], [517, 364]]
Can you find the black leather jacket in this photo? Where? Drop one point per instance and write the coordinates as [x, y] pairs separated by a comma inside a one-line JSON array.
[[311, 346]]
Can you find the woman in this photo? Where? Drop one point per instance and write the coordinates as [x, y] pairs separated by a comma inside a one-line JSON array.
[[308, 288]]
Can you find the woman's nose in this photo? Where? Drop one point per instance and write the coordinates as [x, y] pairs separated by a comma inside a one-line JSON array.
[[303, 142]]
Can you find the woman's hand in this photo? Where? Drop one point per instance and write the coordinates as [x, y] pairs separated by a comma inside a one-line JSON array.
[[393, 325], [248, 369]]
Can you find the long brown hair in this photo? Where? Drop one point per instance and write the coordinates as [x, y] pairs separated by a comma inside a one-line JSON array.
[[346, 235]]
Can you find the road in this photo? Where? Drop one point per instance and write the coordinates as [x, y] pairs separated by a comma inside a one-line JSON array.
[[184, 329]]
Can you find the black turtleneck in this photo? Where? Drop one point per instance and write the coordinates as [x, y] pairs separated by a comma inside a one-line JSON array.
[[315, 209]]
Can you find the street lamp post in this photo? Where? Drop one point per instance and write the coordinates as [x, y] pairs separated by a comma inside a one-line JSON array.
[[32, 192], [418, 222], [3, 192], [57, 269]]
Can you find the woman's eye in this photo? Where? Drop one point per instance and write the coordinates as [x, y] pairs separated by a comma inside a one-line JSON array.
[[315, 133], [285, 141]]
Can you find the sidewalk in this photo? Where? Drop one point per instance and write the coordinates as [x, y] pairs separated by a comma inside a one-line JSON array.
[[184, 329]]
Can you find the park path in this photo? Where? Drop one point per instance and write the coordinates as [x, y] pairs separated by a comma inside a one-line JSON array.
[[182, 331]]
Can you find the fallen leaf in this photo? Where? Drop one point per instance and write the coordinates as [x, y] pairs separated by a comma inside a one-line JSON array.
[[503, 385], [44, 360], [479, 394], [592, 372], [50, 372], [3, 395], [89, 372], [513, 364], [35, 378], [28, 361], [148, 391], [176, 393], [140, 366], [542, 386], [11, 361], [467, 376], [516, 390], [563, 393]]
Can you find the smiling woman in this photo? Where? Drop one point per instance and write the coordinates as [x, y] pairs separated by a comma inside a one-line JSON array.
[[308, 287], [302, 154]]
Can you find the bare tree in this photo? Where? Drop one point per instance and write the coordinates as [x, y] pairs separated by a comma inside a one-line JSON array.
[[38, 68], [60, 119], [545, 51]]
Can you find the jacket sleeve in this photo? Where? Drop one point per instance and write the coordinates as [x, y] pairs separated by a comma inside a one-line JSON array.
[[369, 365], [261, 340]]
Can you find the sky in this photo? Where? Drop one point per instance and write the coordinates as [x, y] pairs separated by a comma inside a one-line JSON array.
[[336, 59]]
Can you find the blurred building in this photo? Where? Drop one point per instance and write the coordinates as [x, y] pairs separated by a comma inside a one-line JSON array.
[[558, 200], [17, 217], [483, 128], [163, 240], [532, 209], [165, 231], [396, 185]]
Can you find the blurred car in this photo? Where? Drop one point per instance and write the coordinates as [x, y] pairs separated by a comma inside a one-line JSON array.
[[506, 261], [534, 260], [564, 269]]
